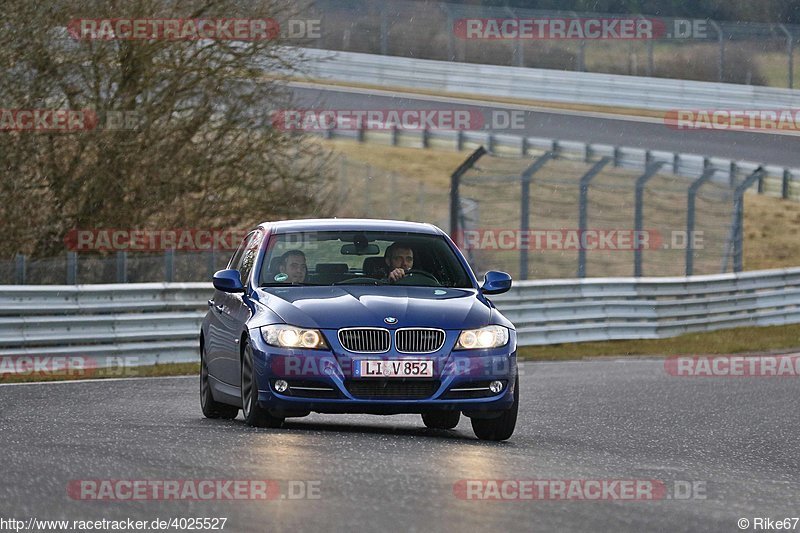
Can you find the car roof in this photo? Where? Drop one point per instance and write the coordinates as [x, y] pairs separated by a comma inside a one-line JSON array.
[[349, 224]]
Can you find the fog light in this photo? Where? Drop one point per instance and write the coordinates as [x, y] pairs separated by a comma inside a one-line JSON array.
[[496, 386], [280, 386]]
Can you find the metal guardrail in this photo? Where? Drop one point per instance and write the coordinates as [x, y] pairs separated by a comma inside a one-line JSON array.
[[160, 323], [560, 311], [417, 29], [147, 322], [543, 84]]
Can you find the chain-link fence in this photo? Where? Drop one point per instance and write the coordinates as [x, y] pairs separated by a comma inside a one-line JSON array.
[[117, 267], [558, 217], [553, 215], [357, 190], [370, 192], [705, 50]]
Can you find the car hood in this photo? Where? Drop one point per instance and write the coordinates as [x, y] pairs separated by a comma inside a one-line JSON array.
[[333, 307]]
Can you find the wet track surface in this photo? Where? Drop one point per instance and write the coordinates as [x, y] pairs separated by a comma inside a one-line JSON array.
[[574, 126], [602, 420]]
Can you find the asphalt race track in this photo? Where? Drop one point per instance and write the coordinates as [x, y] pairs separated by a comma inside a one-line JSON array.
[[732, 439], [650, 134]]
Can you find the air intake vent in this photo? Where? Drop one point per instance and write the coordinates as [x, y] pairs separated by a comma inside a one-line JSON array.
[[400, 389]]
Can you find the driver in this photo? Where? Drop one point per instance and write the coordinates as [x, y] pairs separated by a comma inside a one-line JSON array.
[[399, 259]]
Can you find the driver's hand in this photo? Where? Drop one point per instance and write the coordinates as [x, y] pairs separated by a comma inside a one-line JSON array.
[[396, 274]]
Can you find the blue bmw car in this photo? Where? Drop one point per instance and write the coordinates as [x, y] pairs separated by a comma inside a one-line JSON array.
[[357, 316]]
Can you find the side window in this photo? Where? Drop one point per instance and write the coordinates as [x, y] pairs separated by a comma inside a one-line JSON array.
[[249, 253], [237, 255]]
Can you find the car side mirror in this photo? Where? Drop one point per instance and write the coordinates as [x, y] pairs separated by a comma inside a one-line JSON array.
[[495, 282], [228, 280]]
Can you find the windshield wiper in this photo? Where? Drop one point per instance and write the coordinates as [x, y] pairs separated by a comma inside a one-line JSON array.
[[360, 282], [277, 284]]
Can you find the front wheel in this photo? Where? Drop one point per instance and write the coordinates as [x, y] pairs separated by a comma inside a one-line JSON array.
[[502, 427], [210, 407], [254, 415]]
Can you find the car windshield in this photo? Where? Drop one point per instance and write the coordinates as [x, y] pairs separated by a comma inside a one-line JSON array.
[[361, 258]]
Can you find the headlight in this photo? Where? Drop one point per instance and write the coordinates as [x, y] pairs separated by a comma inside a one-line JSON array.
[[477, 339], [286, 336]]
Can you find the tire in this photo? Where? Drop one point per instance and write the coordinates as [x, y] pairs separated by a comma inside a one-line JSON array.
[[254, 415], [210, 407], [502, 427], [441, 419]]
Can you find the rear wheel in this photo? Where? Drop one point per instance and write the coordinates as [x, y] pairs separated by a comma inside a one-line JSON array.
[[210, 407], [502, 427], [254, 415], [441, 419]]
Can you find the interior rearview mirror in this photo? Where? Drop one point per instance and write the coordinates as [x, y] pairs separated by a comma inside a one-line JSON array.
[[366, 249]]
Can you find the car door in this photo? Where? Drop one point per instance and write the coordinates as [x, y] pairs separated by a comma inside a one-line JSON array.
[[218, 345], [235, 312]]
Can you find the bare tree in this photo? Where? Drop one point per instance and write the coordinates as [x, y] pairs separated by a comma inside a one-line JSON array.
[[198, 149]]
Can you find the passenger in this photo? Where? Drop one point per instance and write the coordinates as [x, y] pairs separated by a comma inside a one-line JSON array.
[[293, 264]]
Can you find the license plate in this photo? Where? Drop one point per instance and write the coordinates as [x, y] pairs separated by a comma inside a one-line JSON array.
[[406, 368]]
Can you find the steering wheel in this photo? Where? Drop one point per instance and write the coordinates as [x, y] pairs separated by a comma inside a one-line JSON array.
[[413, 272]]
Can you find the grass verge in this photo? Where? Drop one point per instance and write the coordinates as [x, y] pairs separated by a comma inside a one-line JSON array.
[[750, 340], [167, 369]]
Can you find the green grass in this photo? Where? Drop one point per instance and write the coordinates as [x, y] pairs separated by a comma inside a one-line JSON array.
[[769, 339], [775, 68], [169, 369]]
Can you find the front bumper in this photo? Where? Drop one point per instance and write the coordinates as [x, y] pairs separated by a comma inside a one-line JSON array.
[[326, 384]]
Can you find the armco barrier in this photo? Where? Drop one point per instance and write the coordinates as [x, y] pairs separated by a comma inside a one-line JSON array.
[[160, 323], [542, 84], [148, 322], [559, 311]]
